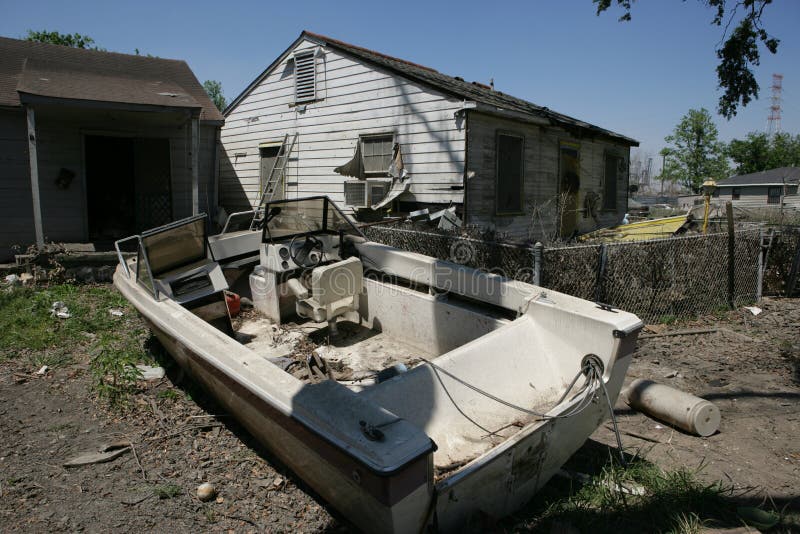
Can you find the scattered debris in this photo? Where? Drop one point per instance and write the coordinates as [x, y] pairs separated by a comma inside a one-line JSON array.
[[25, 278], [13, 280], [755, 310], [151, 373], [206, 492], [628, 488], [116, 312], [683, 410], [107, 453], [43, 370], [692, 332], [672, 374], [60, 310]]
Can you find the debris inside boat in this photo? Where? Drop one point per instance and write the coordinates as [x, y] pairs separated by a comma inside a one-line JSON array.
[[407, 391]]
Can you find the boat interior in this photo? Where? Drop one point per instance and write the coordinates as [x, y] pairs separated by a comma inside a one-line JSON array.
[[469, 358]]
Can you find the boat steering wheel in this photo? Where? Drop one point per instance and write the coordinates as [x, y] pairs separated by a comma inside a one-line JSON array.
[[303, 254]]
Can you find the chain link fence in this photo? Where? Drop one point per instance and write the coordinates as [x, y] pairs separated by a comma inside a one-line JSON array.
[[658, 280]]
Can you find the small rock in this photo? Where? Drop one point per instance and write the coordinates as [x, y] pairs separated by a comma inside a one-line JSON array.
[[220, 500], [671, 374], [116, 312], [278, 482], [206, 492]]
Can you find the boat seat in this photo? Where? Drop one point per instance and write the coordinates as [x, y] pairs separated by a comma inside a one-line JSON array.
[[334, 291]]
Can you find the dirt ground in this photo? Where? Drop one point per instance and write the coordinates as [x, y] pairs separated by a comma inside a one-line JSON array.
[[750, 367]]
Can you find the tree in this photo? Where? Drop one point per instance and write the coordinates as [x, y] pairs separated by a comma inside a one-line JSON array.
[[760, 152], [696, 153], [73, 40], [214, 90], [738, 53]]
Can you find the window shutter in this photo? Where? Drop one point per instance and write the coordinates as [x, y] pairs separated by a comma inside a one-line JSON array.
[[305, 77]]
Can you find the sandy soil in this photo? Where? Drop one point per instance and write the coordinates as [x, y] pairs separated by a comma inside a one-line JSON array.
[[750, 367]]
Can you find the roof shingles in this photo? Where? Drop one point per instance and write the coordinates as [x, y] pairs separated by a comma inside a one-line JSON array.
[[72, 73]]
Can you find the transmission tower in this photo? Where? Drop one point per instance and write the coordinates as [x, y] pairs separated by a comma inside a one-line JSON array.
[[774, 119]]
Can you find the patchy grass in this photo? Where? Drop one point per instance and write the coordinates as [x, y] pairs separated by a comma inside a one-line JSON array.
[[638, 498], [31, 334], [167, 491]]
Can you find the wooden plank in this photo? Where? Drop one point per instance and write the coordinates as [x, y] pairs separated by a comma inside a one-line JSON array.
[[34, 166], [195, 154]]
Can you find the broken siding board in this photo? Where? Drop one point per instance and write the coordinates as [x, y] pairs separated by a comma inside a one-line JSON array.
[[356, 99]]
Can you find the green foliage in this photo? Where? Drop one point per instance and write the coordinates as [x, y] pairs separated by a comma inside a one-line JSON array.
[[639, 498], [73, 40], [29, 332], [214, 90], [114, 373], [738, 54], [760, 152], [696, 153]]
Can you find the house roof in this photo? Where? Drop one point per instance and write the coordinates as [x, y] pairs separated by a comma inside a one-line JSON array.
[[491, 99], [779, 176], [61, 72]]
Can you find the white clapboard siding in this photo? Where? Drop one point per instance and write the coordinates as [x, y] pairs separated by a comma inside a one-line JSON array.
[[354, 98]]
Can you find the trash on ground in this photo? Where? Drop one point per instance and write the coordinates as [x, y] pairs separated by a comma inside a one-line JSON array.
[[755, 310], [151, 373], [116, 312], [43, 370], [206, 492], [107, 453], [60, 310], [13, 279], [628, 488], [678, 408]]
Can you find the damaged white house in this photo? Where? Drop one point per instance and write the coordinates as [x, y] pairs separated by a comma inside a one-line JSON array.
[[375, 132]]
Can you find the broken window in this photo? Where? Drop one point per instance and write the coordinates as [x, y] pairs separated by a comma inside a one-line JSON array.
[[509, 173], [612, 172], [377, 154], [736, 193], [774, 195], [305, 76]]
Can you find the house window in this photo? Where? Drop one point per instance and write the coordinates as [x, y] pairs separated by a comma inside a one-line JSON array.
[[509, 173], [736, 193], [774, 195], [613, 164], [305, 76], [376, 153]]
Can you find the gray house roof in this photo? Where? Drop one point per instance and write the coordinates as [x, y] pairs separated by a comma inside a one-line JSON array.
[[492, 100], [75, 74], [779, 176]]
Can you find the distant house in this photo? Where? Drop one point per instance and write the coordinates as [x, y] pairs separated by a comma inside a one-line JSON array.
[[765, 189], [374, 131], [97, 145]]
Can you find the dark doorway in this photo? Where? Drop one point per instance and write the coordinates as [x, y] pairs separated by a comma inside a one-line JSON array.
[[127, 185]]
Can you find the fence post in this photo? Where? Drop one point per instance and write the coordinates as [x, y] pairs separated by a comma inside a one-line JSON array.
[[599, 295], [731, 254], [760, 273], [537, 263]]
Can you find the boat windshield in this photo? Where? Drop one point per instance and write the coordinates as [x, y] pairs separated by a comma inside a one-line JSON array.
[[288, 218]]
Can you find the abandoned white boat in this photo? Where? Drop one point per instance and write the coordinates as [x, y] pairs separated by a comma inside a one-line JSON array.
[[465, 391]]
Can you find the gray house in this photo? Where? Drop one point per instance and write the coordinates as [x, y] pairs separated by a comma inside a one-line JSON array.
[[774, 188], [98, 145], [374, 131]]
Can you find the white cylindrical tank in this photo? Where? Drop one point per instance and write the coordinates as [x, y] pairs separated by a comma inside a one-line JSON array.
[[675, 407]]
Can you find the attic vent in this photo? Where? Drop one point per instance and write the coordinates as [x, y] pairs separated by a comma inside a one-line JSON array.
[[305, 74]]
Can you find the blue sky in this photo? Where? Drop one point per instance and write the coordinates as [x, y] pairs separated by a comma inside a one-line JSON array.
[[636, 78]]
